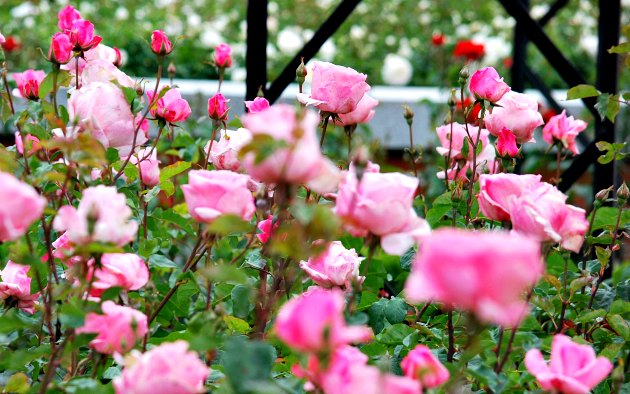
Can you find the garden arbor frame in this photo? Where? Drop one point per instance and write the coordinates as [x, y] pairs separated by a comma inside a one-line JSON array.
[[526, 30]]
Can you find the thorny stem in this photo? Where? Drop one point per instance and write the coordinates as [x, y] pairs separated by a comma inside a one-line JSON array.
[[451, 337], [474, 145], [325, 118], [450, 149], [54, 88], [215, 127], [508, 349], [53, 363], [412, 151]]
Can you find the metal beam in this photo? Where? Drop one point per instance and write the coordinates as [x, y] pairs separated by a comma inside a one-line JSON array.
[[256, 55]]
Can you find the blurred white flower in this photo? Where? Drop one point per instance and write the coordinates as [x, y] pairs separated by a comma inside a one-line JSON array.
[[163, 3], [328, 50], [174, 27], [539, 10], [86, 9], [272, 52], [390, 40], [121, 14], [404, 49], [29, 22], [357, 32], [23, 10], [290, 41], [397, 70], [273, 7], [496, 49], [272, 24], [425, 19], [307, 34], [590, 43], [501, 22], [194, 19], [209, 37], [462, 31], [238, 74]]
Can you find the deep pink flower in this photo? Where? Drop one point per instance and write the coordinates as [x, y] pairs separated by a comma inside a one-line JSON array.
[[338, 373], [486, 84], [118, 328], [224, 153], [467, 270], [218, 108], [102, 216], [125, 270], [223, 55], [562, 128], [335, 89], [32, 143], [67, 16], [259, 104], [574, 368], [82, 35], [265, 229], [313, 322], [506, 143], [363, 113], [28, 83], [516, 112], [171, 106], [367, 379], [15, 287], [421, 364], [21, 206], [335, 266], [165, 369], [60, 51], [148, 166], [160, 44], [381, 204], [458, 139], [210, 194]]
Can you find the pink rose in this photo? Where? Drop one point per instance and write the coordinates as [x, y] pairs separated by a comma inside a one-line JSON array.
[[336, 266], [60, 51], [148, 166], [124, 270], [363, 113], [574, 368], [496, 190], [224, 153], [165, 369], [118, 328], [28, 83], [259, 104], [314, 322], [422, 365], [381, 204], [335, 89], [468, 271], [102, 110], [459, 137], [32, 144], [486, 84], [218, 108], [102, 216], [210, 194], [563, 129], [101, 52], [21, 206], [15, 287], [223, 55], [160, 44], [338, 372], [67, 16], [367, 379], [2, 39], [298, 158], [516, 112], [101, 70], [82, 35], [265, 229], [171, 106], [506, 144]]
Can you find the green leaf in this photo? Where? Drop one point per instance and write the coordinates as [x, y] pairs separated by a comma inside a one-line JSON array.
[[394, 335], [624, 47], [603, 255], [607, 106], [620, 307], [611, 351], [167, 187], [582, 91], [17, 383], [590, 316], [606, 217], [241, 301], [229, 224], [112, 155], [395, 310], [247, 364], [367, 300], [620, 325], [168, 172], [160, 261], [236, 325], [72, 315], [224, 274]]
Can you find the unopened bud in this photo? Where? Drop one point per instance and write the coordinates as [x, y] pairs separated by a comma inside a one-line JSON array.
[[463, 76], [623, 193], [602, 195], [171, 70], [452, 100], [300, 72], [408, 114]]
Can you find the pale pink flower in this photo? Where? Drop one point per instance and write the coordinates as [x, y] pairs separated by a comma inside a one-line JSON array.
[[486, 84], [21, 206], [367, 379], [468, 271], [564, 129], [171, 106], [259, 104], [516, 112], [337, 373], [224, 153], [101, 52], [32, 143], [335, 266], [363, 113], [169, 368], [102, 216], [15, 287], [574, 368], [223, 55], [101, 70], [458, 139], [421, 364], [125, 270], [148, 165], [160, 44], [118, 328], [28, 83]]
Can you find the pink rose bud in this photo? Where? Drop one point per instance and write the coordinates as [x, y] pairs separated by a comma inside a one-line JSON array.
[[67, 16], [15, 287], [487, 85], [574, 368], [170, 367], [148, 166], [314, 322], [210, 194], [218, 108], [455, 143], [363, 113], [102, 216], [101, 109], [224, 153], [564, 130], [265, 229], [160, 44], [125, 270], [118, 328], [82, 35], [336, 266], [223, 56], [473, 276], [506, 144], [60, 51], [385, 208], [28, 83], [335, 89], [21, 206], [516, 112], [535, 208], [171, 106], [259, 104], [421, 364], [32, 144]]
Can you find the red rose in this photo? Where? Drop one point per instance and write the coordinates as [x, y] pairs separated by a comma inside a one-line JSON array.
[[469, 49]]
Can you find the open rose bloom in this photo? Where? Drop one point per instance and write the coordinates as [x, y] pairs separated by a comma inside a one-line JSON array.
[[15, 287]]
